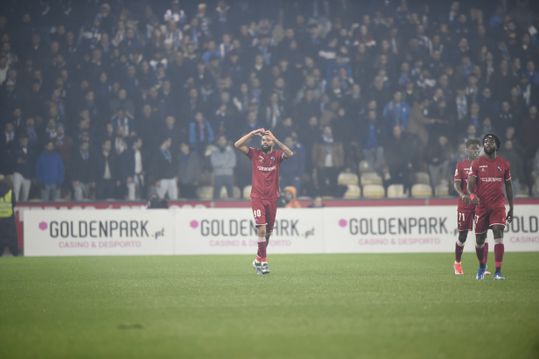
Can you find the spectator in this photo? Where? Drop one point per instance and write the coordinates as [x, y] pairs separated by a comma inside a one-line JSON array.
[[290, 199], [328, 157], [189, 171], [399, 154], [293, 170], [106, 179], [136, 163], [24, 169], [50, 173], [8, 146], [165, 171], [223, 162], [397, 112], [200, 133], [517, 166], [372, 142], [82, 172], [438, 154]]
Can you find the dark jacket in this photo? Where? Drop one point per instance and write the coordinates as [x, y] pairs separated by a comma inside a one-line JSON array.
[[25, 162], [82, 169]]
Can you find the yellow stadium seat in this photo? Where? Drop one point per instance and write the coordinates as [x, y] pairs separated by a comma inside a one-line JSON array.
[[396, 191], [247, 192], [353, 192], [373, 191], [422, 177], [421, 190], [369, 178], [205, 192], [347, 178]]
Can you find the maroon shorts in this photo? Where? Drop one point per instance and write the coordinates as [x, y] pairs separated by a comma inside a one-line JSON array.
[[487, 217], [264, 211], [465, 219]]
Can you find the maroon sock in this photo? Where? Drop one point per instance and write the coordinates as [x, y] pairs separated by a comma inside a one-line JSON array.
[[485, 253], [261, 254], [458, 252], [480, 254], [499, 249]]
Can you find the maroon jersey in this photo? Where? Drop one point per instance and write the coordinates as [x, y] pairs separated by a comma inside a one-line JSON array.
[[463, 170], [490, 180], [265, 173]]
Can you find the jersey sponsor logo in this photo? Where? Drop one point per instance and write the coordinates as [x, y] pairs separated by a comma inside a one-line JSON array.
[[491, 179], [266, 169]]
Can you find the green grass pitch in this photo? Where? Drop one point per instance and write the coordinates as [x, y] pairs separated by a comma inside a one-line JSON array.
[[310, 306]]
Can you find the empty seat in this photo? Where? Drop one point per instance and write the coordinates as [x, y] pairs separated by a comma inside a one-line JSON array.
[[353, 192], [347, 178], [205, 192], [373, 191], [441, 190], [369, 178], [236, 192], [421, 190], [247, 192], [422, 177], [523, 192], [396, 191]]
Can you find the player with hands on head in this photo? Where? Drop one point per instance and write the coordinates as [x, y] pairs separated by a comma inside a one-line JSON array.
[[490, 177], [265, 165]]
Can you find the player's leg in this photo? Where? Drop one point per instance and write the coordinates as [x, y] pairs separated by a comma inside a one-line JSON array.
[[481, 228], [465, 224], [270, 208], [459, 248], [499, 250], [259, 214], [497, 223]]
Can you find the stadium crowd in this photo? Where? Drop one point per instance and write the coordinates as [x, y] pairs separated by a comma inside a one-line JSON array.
[[125, 99]]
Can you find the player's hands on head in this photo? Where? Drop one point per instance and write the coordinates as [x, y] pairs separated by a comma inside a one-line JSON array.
[[259, 132], [270, 134]]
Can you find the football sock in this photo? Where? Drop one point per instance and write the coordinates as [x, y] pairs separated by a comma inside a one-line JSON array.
[[499, 249], [261, 254], [485, 253], [479, 251], [458, 252]]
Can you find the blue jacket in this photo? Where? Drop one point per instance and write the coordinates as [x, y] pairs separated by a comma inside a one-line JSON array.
[[50, 168]]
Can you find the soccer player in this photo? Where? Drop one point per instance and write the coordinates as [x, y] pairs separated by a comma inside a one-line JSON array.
[[465, 209], [490, 174], [265, 165]]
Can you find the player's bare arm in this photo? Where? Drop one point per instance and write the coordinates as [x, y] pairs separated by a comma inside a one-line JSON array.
[[509, 194], [470, 186], [287, 151], [465, 198], [241, 144]]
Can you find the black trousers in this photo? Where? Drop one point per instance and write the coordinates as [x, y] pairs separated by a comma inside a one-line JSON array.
[[8, 236]]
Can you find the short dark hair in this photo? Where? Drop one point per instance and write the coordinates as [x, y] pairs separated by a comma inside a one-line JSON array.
[[494, 137], [472, 142]]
